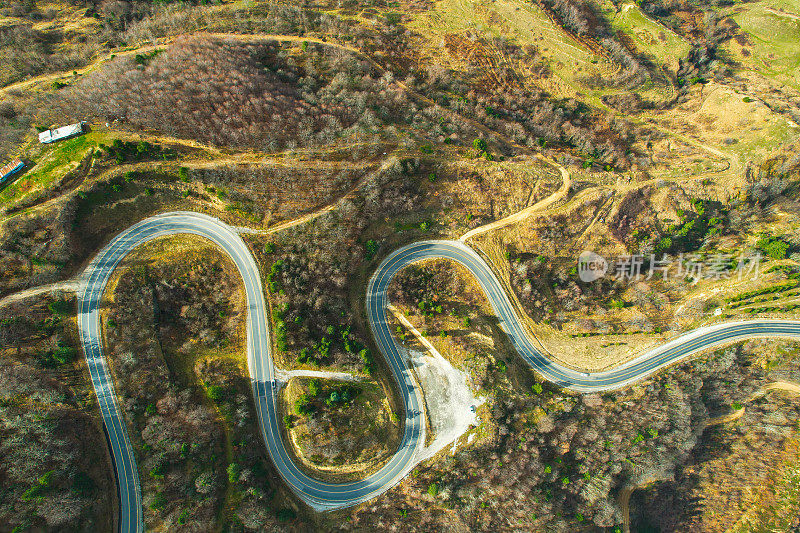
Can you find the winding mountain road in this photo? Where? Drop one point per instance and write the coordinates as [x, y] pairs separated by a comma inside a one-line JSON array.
[[319, 494]]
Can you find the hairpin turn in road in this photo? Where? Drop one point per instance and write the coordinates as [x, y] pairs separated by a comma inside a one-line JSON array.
[[319, 494]]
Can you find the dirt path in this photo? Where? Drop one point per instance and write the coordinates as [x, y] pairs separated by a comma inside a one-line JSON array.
[[301, 220], [786, 386], [285, 375], [562, 192], [783, 385], [29, 83], [724, 419], [245, 158], [782, 13], [624, 500], [542, 205], [414, 331], [450, 406], [313, 214], [76, 284], [72, 285]]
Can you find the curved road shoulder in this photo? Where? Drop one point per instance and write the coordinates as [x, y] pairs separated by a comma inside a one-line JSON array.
[[318, 494]]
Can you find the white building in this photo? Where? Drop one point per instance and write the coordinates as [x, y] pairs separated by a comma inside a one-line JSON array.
[[64, 132]]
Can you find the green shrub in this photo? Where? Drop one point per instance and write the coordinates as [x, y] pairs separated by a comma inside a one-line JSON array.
[[60, 355], [157, 471], [159, 501], [215, 392], [303, 406], [371, 248], [233, 472], [773, 247], [42, 484], [392, 18], [366, 358], [59, 307]]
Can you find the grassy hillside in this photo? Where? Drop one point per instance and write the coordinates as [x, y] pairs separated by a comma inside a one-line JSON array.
[[337, 132]]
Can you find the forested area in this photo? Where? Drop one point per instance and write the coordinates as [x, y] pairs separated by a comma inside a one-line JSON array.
[[555, 461], [271, 97], [377, 134], [174, 334], [320, 94], [54, 466], [229, 93], [35, 250], [309, 272], [706, 492]]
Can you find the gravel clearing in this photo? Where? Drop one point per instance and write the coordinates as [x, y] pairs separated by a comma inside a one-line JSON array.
[[448, 400]]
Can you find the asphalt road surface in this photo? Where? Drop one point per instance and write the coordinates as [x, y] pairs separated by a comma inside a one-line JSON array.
[[319, 494]]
